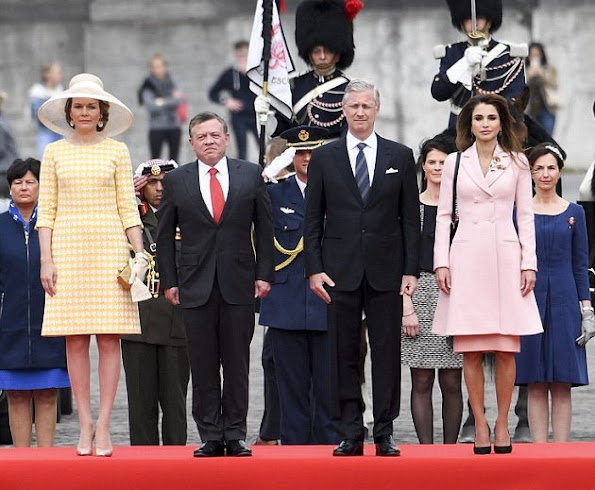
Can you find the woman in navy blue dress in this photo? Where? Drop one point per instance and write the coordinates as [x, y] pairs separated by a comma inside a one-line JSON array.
[[554, 361]]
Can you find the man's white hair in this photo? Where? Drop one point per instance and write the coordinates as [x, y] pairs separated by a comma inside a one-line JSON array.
[[359, 85]]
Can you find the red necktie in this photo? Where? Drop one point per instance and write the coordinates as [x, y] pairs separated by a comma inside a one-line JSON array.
[[216, 195]]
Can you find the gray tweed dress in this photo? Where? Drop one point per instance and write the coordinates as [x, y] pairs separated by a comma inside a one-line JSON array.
[[427, 350]]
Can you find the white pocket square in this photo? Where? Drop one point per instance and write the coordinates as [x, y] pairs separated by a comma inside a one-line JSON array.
[[287, 210], [392, 171]]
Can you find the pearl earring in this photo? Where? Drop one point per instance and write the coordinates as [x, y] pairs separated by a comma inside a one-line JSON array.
[[71, 123], [100, 124]]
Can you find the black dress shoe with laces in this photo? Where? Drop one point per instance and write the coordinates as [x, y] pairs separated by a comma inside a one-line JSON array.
[[210, 449], [386, 446], [238, 447], [349, 447]]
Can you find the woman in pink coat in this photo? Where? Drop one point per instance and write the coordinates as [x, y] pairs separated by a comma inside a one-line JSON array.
[[486, 277]]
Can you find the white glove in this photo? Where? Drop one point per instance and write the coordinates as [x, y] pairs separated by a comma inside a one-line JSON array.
[[139, 291], [279, 163], [262, 104], [138, 267], [474, 55], [587, 326]]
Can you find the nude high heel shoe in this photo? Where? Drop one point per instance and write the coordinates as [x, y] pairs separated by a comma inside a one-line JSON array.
[[104, 452], [85, 450]]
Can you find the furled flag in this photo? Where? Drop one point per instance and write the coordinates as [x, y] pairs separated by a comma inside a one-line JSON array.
[[280, 64]]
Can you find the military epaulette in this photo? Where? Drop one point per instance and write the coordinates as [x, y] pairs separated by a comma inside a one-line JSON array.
[[440, 51], [517, 50]]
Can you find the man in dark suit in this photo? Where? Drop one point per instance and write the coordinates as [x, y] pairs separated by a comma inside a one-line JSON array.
[[216, 202], [296, 317], [361, 236], [156, 362]]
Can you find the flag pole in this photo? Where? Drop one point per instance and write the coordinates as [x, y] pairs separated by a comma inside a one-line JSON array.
[[267, 26]]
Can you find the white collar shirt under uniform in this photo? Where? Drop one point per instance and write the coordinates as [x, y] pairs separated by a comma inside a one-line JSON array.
[[301, 185], [369, 151], [204, 181]]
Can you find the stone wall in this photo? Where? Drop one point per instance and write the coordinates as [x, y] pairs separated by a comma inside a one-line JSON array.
[[394, 39]]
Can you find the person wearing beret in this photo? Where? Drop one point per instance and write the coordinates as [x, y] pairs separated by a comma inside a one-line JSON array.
[[296, 317], [156, 362]]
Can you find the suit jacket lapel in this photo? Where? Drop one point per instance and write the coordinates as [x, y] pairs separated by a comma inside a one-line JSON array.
[[344, 168], [382, 162], [501, 163], [470, 164], [233, 168], [193, 188]]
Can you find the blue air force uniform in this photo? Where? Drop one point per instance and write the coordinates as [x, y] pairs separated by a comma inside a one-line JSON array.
[[296, 318]]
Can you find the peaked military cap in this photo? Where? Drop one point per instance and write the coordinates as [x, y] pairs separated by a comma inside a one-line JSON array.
[[304, 137]]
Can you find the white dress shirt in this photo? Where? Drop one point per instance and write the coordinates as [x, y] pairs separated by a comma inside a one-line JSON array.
[[204, 180], [369, 151], [301, 185]]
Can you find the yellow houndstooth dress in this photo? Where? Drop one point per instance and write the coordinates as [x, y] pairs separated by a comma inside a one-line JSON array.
[[87, 198]]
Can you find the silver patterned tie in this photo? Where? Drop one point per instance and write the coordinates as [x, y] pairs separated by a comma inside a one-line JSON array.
[[361, 172]]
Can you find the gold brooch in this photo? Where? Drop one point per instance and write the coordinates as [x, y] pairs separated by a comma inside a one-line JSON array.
[[155, 170], [303, 135]]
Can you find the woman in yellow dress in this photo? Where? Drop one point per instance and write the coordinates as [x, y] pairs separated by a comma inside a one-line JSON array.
[[87, 216]]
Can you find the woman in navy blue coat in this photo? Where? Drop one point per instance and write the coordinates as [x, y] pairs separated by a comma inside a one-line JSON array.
[[32, 367], [554, 361]]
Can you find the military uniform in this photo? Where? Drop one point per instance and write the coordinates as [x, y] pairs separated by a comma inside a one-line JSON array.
[[156, 366], [296, 317], [322, 106], [317, 99], [504, 75]]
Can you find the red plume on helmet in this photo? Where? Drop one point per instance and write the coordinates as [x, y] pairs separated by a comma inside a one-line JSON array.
[[352, 8], [327, 23]]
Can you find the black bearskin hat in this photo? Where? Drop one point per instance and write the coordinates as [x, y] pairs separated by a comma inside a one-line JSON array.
[[460, 11], [325, 23]]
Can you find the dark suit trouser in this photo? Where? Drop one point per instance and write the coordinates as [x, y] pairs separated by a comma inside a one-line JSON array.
[[156, 375], [219, 335], [303, 369], [270, 426], [383, 314]]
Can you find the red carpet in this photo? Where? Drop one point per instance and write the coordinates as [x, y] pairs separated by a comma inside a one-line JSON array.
[[530, 466]]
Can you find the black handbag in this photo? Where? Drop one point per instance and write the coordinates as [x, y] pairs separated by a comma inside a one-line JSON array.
[[454, 216]]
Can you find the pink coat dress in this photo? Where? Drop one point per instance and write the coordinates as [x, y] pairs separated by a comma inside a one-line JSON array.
[[487, 254]]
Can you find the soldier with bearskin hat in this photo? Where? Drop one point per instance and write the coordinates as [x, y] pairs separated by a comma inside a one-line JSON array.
[[480, 64], [324, 37]]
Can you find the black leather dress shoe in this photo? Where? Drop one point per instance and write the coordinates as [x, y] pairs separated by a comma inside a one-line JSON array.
[[385, 446], [238, 447], [349, 447], [210, 449]]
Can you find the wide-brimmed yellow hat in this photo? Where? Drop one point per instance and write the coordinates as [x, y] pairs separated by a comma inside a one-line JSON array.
[[85, 85]]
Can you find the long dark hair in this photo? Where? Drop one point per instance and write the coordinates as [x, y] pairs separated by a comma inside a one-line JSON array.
[[507, 140]]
